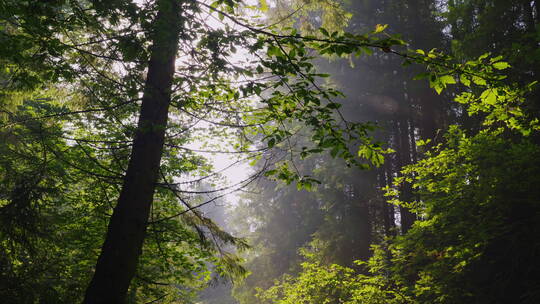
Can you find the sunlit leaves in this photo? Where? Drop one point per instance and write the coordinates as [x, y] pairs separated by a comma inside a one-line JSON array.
[[373, 153], [487, 93], [318, 283], [264, 5], [501, 65], [479, 80], [379, 28], [274, 51], [467, 181], [466, 81], [324, 32], [439, 83]]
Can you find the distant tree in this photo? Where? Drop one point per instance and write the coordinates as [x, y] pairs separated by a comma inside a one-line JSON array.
[[494, 98], [377, 88]]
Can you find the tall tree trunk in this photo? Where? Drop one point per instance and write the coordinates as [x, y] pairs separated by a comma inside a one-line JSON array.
[[528, 16], [389, 221], [537, 8], [404, 159], [384, 212], [117, 263], [363, 231], [429, 116]]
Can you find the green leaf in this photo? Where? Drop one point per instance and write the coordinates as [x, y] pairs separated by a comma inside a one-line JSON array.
[[324, 32], [479, 80], [501, 65], [436, 84], [270, 172], [484, 56], [489, 97], [264, 5], [334, 151], [464, 80], [379, 28], [273, 51], [271, 142], [421, 142], [421, 76], [447, 79]]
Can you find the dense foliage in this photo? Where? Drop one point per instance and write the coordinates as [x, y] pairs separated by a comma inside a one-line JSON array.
[[471, 191], [108, 108], [475, 240]]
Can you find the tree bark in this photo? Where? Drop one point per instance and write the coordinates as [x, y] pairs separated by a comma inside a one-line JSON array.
[[389, 221], [404, 153], [362, 236], [117, 263]]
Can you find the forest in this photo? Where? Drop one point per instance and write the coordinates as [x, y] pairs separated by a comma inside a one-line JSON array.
[[269, 151]]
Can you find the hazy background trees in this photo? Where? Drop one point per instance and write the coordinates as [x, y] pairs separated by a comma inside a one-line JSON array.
[[348, 213]]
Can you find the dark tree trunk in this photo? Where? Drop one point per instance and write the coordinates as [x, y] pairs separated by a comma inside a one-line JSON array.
[[429, 101], [362, 236], [117, 263], [388, 209], [383, 207], [404, 158], [537, 8], [529, 16], [356, 221], [412, 141]]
